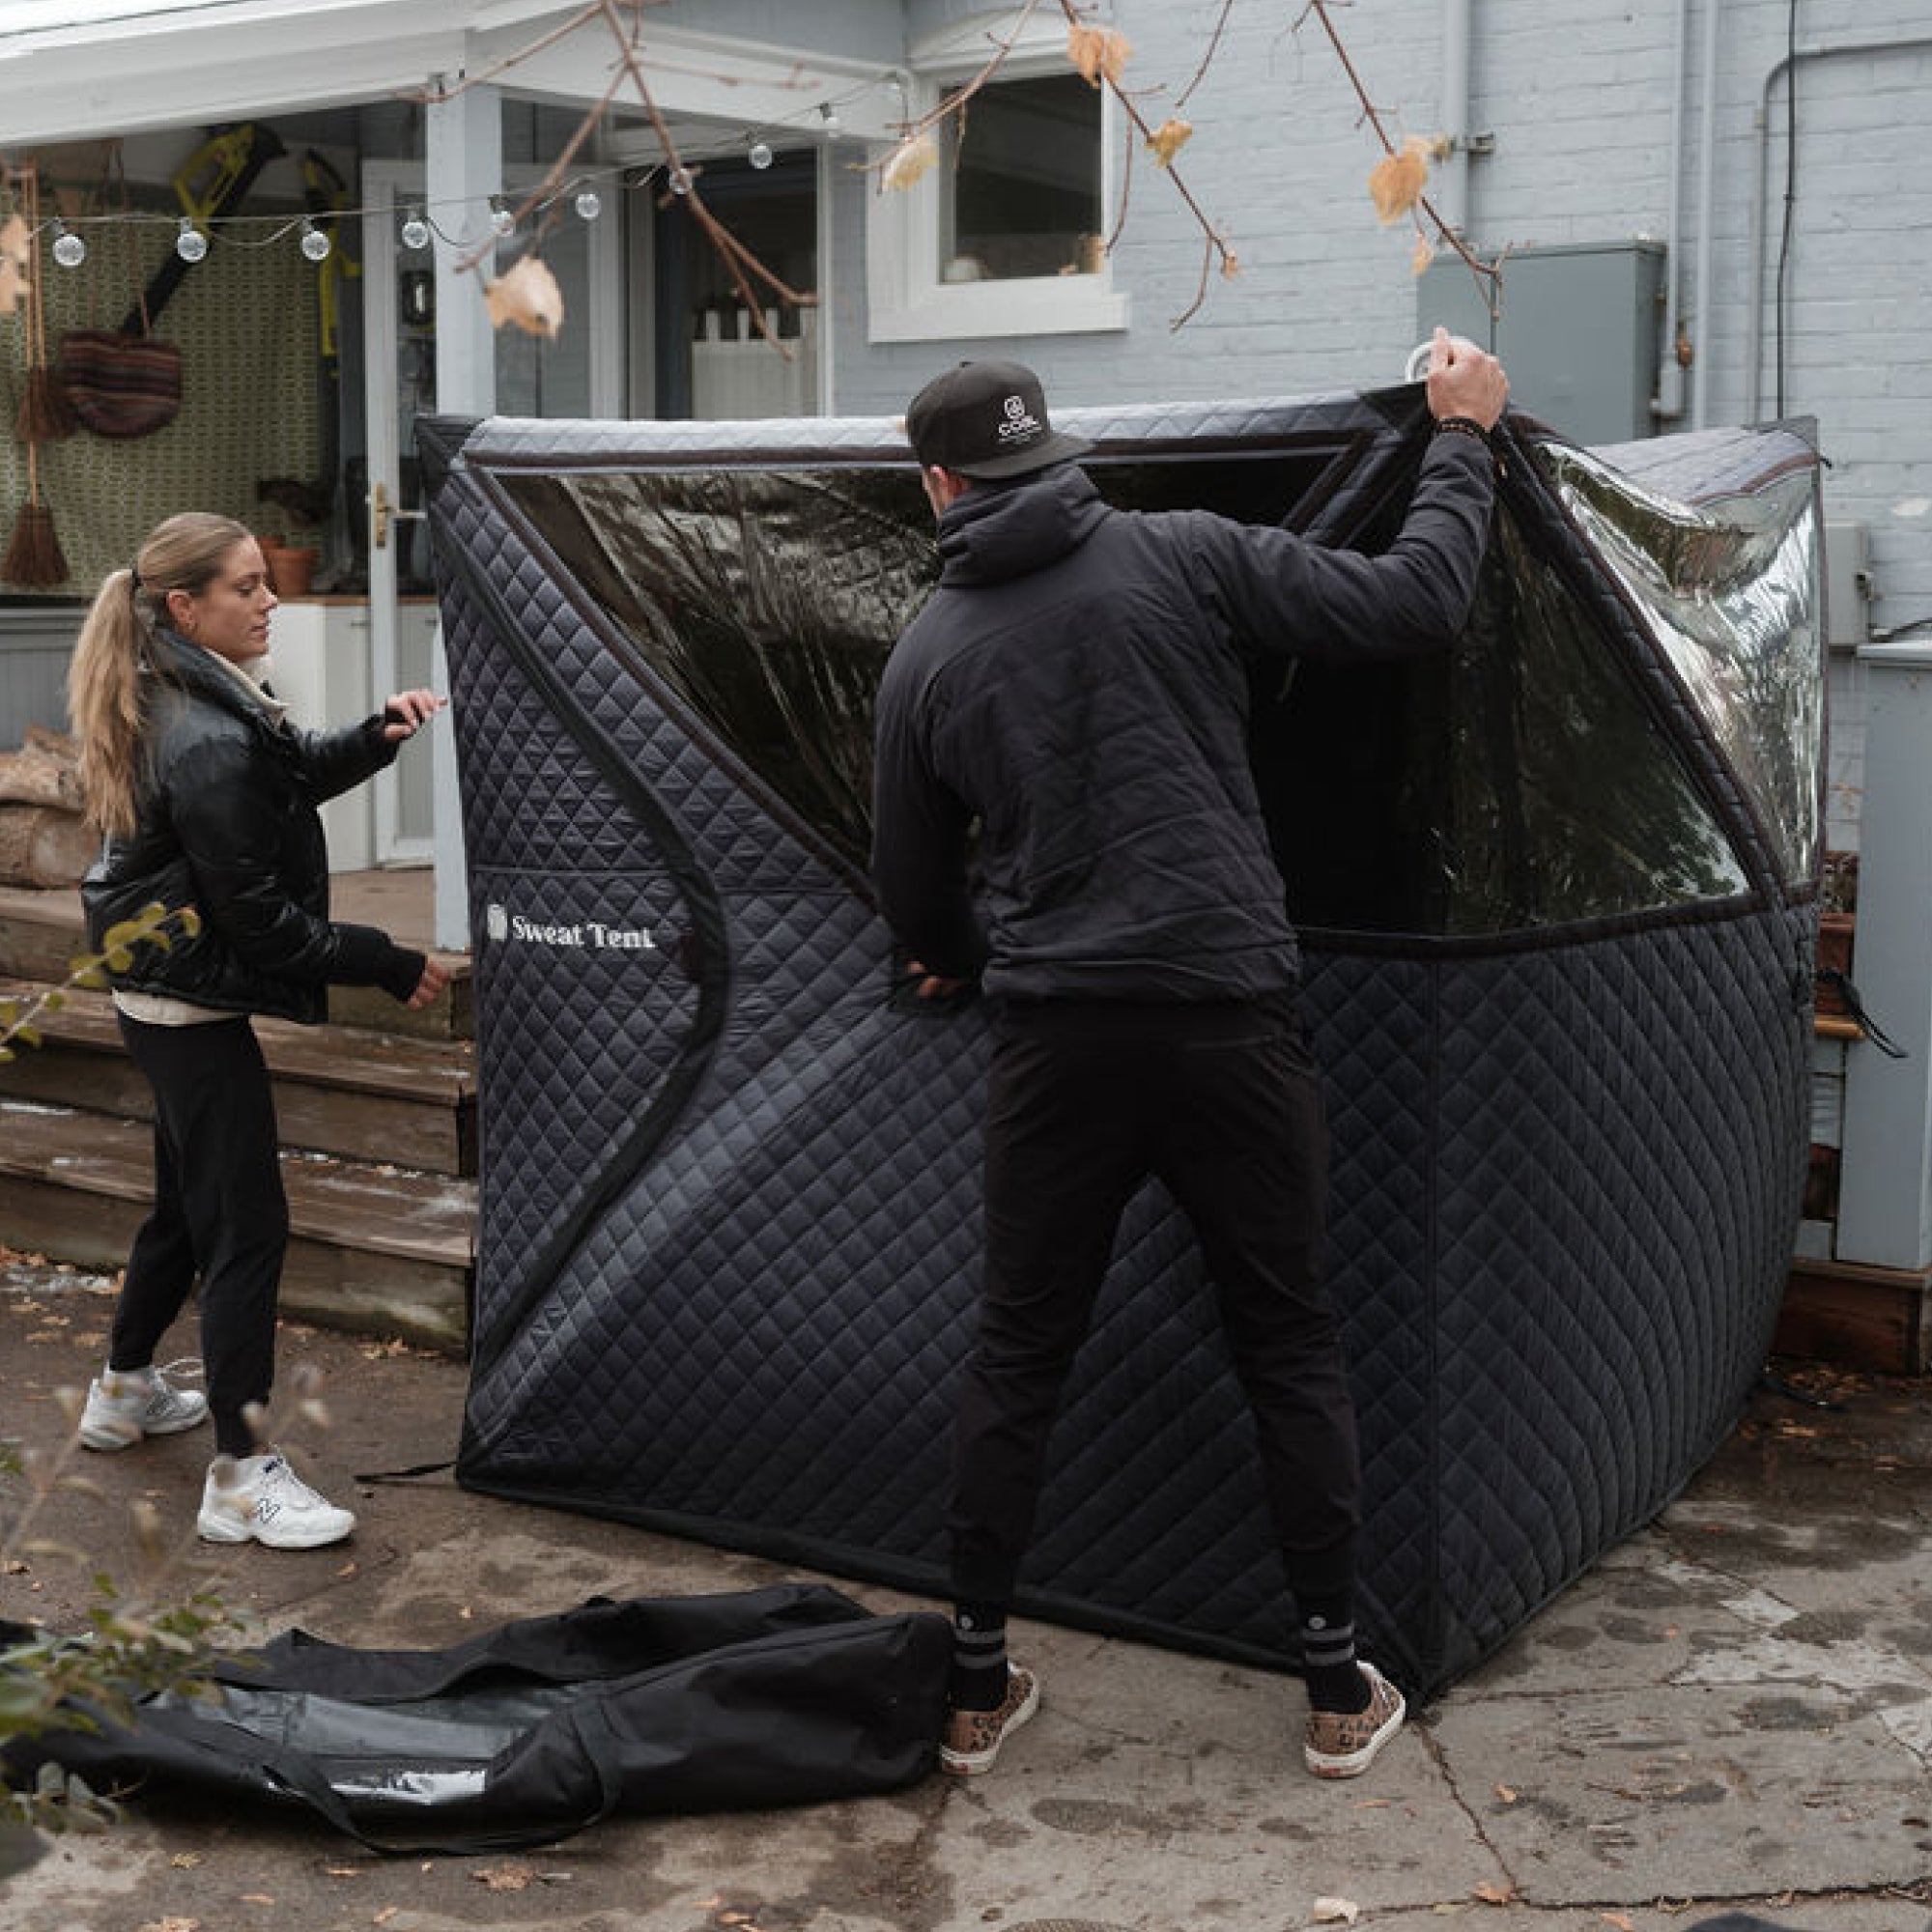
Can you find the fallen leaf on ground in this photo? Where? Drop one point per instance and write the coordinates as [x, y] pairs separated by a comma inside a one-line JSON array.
[[1497, 1894], [1334, 1912], [185, 1860], [1504, 1792], [507, 1878]]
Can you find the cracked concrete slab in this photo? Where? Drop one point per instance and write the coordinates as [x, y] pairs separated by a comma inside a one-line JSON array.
[[1732, 1711]]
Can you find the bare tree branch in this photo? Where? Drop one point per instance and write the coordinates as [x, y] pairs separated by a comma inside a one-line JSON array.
[[1207, 59], [1489, 272]]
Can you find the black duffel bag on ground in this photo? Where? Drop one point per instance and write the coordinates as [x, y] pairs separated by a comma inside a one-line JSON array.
[[533, 1730]]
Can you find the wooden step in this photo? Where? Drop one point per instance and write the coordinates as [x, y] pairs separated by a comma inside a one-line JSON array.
[[374, 1248], [42, 931], [366, 1095], [1875, 1319]]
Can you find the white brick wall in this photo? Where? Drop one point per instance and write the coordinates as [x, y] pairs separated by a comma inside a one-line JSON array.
[[1577, 94]]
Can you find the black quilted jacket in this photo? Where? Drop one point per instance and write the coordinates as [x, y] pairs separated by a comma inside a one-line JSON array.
[[229, 825], [1077, 684]]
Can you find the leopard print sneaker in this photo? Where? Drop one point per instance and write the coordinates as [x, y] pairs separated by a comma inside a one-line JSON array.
[[973, 1738], [1342, 1744]]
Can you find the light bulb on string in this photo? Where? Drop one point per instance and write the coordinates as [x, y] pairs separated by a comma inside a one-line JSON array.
[[589, 204], [69, 250], [415, 229], [191, 245], [501, 219], [314, 243], [679, 181], [760, 155]]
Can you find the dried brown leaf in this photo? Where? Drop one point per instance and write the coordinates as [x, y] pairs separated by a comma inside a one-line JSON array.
[[1168, 138], [1334, 1912], [507, 1878], [526, 296], [1495, 1895], [911, 161], [1506, 1794], [1098, 51], [1421, 255], [1396, 182]]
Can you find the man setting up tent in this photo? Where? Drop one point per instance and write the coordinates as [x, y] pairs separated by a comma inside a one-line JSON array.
[[1064, 814]]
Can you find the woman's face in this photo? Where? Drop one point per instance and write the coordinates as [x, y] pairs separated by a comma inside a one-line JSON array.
[[230, 616]]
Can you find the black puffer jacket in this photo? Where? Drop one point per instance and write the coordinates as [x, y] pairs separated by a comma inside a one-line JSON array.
[[1077, 683], [228, 825]]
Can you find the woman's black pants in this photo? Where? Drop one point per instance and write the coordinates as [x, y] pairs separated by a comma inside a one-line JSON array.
[[219, 1213], [1223, 1103]]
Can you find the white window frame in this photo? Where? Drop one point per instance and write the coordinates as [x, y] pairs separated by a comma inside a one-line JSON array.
[[906, 301]]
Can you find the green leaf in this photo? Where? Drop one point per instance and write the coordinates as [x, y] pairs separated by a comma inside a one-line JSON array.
[[91, 977]]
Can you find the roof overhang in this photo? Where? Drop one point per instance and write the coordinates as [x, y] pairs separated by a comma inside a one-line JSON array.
[[77, 69]]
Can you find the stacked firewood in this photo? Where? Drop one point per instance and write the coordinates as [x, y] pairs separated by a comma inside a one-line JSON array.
[[44, 841]]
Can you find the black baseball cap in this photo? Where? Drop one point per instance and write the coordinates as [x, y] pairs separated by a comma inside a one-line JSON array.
[[986, 421]]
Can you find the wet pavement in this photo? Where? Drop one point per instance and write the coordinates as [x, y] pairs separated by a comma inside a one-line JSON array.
[[1731, 1713]]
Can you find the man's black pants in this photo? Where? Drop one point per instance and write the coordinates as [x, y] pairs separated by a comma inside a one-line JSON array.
[[1222, 1101], [219, 1210]]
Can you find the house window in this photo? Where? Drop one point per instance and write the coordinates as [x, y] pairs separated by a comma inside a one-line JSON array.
[[1020, 183], [1004, 236]]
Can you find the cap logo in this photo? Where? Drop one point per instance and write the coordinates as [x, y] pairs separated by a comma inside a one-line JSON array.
[[1020, 421]]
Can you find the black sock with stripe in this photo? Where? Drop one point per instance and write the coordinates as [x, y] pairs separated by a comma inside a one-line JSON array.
[[979, 1675]]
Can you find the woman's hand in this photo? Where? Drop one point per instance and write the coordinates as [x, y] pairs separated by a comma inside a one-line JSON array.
[[405, 714], [435, 978]]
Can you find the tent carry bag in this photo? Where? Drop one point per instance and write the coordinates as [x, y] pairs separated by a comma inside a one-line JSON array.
[[536, 1729]]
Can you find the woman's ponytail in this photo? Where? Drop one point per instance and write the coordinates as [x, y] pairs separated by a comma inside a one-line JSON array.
[[103, 697]]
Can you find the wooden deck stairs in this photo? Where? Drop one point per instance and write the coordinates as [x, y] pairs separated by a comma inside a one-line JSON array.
[[377, 1115]]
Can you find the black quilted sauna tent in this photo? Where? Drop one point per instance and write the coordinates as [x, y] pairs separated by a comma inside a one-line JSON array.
[[1557, 896]]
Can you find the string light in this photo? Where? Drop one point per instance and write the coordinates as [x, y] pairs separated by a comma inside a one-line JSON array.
[[193, 236]]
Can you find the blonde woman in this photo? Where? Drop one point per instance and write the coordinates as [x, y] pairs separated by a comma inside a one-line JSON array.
[[206, 795]]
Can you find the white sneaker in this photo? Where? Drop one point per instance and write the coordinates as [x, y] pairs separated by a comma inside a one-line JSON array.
[[261, 1500], [124, 1405]]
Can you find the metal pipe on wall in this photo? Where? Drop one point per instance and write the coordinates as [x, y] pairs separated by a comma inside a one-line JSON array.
[[1667, 405], [1451, 189], [1707, 177], [1760, 190]]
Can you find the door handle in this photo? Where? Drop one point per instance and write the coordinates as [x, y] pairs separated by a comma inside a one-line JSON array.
[[378, 509]]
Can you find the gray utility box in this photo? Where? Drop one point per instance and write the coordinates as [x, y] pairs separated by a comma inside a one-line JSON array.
[[1579, 331]]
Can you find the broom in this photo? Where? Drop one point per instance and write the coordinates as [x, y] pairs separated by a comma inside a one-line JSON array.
[[46, 413], [34, 560]]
